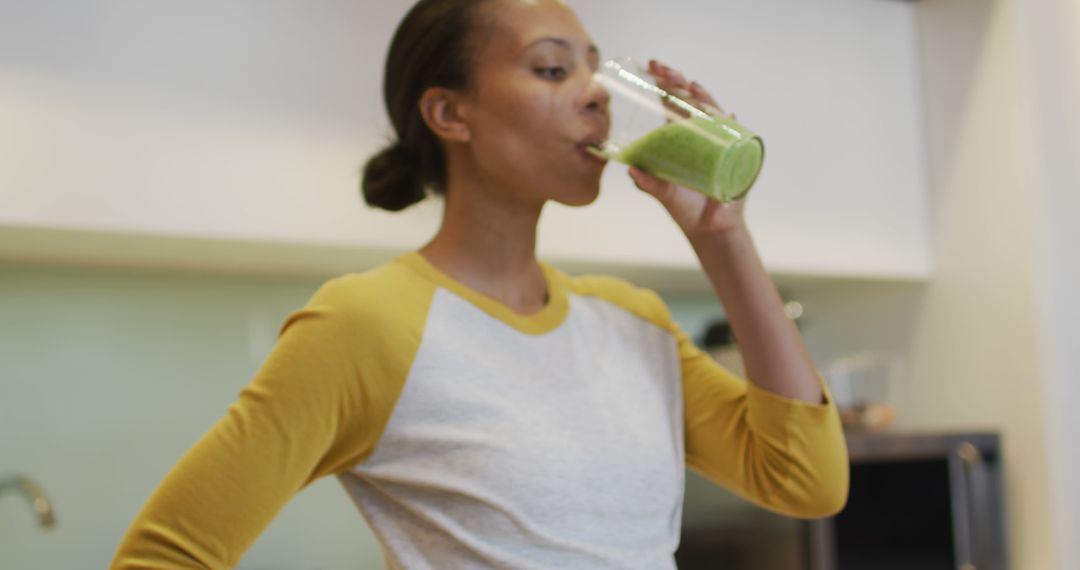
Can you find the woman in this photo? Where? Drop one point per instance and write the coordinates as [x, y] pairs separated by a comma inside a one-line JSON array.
[[483, 409]]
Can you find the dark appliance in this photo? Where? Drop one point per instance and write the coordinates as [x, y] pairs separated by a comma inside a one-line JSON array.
[[917, 502]]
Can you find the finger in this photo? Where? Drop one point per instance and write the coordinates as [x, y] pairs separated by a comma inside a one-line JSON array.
[[641, 178], [675, 82], [649, 183], [656, 69], [709, 210], [706, 102], [702, 95], [676, 77], [662, 75], [666, 75]]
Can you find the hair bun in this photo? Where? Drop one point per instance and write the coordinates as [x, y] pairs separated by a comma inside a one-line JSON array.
[[392, 179]]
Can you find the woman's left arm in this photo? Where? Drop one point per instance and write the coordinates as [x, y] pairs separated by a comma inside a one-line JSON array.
[[778, 440], [772, 349]]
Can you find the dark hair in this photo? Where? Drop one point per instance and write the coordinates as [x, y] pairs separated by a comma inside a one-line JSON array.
[[431, 48]]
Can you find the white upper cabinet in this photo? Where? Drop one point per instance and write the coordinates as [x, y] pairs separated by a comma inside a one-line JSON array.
[[214, 123]]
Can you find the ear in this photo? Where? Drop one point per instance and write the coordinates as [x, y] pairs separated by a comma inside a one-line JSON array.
[[446, 114]]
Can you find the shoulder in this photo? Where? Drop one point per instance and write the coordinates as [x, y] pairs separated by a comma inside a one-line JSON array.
[[391, 283], [639, 301], [387, 295]]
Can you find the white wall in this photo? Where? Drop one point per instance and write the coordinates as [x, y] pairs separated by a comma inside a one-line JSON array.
[[975, 356], [241, 119], [832, 88], [977, 339], [991, 342], [1050, 30], [250, 120]]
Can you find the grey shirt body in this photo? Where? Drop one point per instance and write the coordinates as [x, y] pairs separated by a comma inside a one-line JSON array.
[[531, 451]]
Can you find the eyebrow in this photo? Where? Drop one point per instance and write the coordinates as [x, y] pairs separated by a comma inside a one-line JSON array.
[[562, 42]]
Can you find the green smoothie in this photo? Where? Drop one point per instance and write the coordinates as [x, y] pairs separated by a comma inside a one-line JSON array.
[[717, 157]]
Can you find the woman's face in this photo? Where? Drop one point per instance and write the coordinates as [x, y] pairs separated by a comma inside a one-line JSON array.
[[534, 106]]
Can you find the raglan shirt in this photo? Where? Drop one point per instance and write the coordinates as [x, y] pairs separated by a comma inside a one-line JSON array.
[[470, 436]]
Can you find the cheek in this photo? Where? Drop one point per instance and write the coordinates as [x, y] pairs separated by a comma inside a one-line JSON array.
[[522, 137], [522, 119]]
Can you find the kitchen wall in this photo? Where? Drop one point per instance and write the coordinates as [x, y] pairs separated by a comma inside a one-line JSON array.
[[224, 125], [108, 375], [125, 116]]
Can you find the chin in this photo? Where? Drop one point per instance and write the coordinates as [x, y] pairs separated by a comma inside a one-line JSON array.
[[580, 196], [579, 192]]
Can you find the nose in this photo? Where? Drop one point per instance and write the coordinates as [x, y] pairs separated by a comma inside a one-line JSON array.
[[597, 97]]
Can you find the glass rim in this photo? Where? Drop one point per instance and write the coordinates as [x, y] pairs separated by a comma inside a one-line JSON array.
[[631, 71]]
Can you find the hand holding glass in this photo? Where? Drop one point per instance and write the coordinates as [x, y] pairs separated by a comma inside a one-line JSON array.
[[674, 139]]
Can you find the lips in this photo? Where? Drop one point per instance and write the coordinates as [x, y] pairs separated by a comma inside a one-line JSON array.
[[595, 138], [593, 144], [592, 153]]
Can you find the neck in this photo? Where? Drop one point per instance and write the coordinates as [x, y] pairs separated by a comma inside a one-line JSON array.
[[487, 242]]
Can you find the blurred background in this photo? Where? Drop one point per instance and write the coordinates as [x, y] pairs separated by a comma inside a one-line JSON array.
[[175, 178]]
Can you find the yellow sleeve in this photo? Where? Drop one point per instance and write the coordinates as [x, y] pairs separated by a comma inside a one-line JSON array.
[[785, 455], [316, 407]]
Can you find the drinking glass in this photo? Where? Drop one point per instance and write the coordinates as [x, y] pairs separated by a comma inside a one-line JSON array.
[[672, 138]]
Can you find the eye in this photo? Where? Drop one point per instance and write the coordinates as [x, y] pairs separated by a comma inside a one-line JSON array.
[[553, 73]]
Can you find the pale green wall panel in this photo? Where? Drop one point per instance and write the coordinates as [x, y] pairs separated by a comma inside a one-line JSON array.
[[108, 376]]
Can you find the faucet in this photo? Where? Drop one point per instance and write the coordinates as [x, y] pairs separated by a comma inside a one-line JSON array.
[[29, 489]]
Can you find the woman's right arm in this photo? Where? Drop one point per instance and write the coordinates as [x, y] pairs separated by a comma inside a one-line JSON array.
[[307, 413]]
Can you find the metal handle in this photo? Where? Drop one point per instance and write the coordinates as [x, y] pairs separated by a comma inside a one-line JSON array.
[[43, 509], [963, 503]]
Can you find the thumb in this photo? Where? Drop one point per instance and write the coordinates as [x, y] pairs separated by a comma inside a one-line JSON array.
[[660, 189]]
